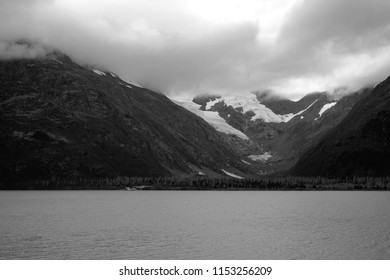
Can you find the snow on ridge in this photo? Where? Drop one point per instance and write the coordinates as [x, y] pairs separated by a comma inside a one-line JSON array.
[[326, 108], [133, 83], [251, 104], [232, 175], [246, 162], [263, 158], [127, 82], [126, 85], [100, 73], [213, 118]]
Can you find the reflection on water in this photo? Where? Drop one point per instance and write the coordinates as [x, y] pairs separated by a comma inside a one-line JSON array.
[[194, 225]]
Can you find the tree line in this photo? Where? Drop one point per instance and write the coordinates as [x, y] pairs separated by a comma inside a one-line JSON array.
[[206, 183]]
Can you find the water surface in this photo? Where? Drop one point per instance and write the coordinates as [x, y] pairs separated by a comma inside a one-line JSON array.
[[194, 225]]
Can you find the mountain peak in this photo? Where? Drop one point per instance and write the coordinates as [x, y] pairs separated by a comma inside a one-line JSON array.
[[61, 119]]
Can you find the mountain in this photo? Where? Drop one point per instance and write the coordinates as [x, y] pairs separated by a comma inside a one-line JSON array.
[[358, 146], [64, 120], [284, 106], [281, 129]]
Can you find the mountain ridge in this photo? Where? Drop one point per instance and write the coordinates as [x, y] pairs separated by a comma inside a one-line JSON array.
[[282, 138], [358, 146], [62, 119]]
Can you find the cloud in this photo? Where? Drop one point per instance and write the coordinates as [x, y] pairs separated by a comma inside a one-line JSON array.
[[334, 43], [11, 50], [180, 47], [167, 50], [346, 23]]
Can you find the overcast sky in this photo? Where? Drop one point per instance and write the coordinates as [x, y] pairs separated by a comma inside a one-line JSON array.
[[187, 47]]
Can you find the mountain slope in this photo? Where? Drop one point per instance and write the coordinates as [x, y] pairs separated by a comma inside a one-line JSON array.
[[285, 106], [212, 118], [282, 129], [61, 119], [359, 145]]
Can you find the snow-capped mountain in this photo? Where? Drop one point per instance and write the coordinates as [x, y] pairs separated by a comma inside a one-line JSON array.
[[280, 129], [62, 119], [252, 106]]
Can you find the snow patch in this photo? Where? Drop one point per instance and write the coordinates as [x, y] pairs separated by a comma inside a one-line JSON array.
[[134, 84], [212, 103], [326, 108], [290, 116], [128, 82], [125, 85], [213, 118], [246, 162], [100, 73], [232, 175], [263, 158], [251, 104]]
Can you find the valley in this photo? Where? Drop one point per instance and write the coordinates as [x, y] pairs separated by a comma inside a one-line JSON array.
[[64, 120]]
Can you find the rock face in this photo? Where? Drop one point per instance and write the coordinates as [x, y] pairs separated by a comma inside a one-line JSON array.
[[61, 119], [359, 145], [283, 129]]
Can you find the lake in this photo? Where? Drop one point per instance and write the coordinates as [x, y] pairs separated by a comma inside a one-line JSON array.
[[194, 225]]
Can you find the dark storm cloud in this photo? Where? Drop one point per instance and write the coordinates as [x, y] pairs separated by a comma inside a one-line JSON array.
[[165, 45]]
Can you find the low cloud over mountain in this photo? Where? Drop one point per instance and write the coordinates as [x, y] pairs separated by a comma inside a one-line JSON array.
[[185, 47]]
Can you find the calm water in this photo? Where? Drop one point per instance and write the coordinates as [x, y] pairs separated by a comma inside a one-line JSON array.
[[194, 225]]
